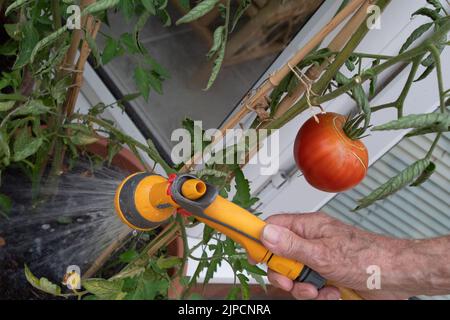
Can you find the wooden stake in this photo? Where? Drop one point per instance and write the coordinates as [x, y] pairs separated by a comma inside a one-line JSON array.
[[314, 72], [92, 27], [259, 96], [76, 38]]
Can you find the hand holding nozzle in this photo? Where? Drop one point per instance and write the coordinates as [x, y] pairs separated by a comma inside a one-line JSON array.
[[144, 201]]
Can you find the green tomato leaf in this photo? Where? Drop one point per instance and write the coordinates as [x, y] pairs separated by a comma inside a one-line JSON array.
[[426, 174], [416, 34], [7, 105], [436, 4], [217, 65], [363, 102], [9, 48], [5, 152], [207, 233], [13, 30], [426, 73], [82, 139], [169, 262], [427, 12], [25, 146], [441, 120], [149, 6], [394, 184], [245, 288], [217, 41], [47, 41], [427, 130], [128, 256], [251, 268], [213, 263], [100, 5], [127, 8], [94, 49], [155, 82], [112, 49], [243, 6], [142, 81], [243, 196], [28, 43], [198, 11], [185, 4], [260, 280], [42, 284], [130, 43], [16, 5], [105, 289], [233, 294], [131, 272]]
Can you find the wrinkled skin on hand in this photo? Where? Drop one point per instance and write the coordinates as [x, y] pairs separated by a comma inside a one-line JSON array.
[[342, 253]]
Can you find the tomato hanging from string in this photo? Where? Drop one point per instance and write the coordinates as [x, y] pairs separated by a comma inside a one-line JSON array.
[[328, 153]]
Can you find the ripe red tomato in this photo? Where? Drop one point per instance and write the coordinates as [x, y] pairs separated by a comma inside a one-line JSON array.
[[327, 157]]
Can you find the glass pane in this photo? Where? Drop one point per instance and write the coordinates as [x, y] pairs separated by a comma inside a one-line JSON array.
[[261, 34]]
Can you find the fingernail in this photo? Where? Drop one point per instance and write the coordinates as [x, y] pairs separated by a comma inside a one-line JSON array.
[[271, 234]]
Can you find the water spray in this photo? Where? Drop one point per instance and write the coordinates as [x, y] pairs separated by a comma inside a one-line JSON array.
[[145, 201]]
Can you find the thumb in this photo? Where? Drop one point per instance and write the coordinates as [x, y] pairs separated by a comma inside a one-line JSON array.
[[283, 242]]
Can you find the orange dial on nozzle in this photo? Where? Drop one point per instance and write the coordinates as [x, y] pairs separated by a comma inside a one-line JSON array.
[[193, 189]]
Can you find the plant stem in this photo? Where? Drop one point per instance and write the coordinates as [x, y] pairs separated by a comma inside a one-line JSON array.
[[405, 56], [433, 146], [437, 61], [56, 14], [180, 221], [401, 99], [128, 140], [322, 84], [384, 106]]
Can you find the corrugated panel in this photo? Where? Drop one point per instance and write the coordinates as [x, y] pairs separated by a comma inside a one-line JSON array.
[[415, 213]]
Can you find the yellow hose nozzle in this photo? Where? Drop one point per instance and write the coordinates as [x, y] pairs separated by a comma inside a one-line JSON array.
[[193, 189]]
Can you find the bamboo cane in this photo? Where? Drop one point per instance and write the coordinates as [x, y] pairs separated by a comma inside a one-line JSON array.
[[314, 72], [76, 38], [92, 27], [273, 80]]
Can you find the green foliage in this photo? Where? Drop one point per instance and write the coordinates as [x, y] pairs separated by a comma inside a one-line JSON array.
[[42, 284], [416, 34], [100, 6], [198, 11], [439, 121], [394, 184], [426, 174], [32, 120], [243, 197], [15, 5], [243, 6], [105, 289]]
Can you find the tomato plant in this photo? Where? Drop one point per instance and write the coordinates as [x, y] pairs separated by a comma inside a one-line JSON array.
[[330, 158]]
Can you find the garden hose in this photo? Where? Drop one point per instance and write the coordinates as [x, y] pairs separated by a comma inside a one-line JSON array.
[[144, 201]]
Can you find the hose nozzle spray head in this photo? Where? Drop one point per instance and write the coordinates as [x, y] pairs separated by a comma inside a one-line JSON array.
[[143, 201]]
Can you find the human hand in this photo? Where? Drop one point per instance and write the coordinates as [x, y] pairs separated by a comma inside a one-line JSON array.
[[340, 253]]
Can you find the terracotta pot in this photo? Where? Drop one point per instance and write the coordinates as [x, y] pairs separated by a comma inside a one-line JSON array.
[[127, 161]]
